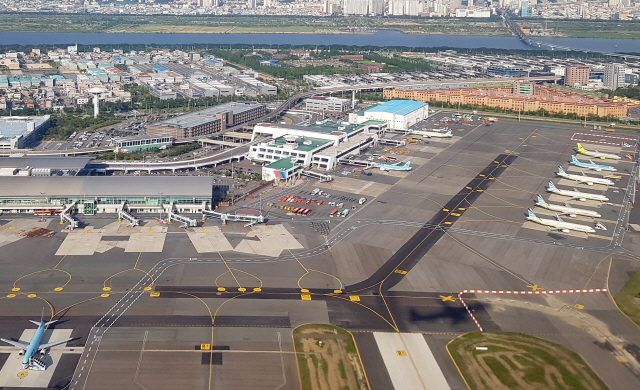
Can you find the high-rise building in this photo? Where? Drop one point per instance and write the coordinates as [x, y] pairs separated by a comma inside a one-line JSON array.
[[251, 4], [613, 76], [207, 3], [576, 74], [524, 9], [376, 7], [356, 7]]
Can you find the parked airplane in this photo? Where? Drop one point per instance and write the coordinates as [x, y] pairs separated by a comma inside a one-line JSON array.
[[566, 209], [434, 134], [575, 194], [595, 153], [28, 350], [591, 165], [391, 167], [584, 178], [559, 225]]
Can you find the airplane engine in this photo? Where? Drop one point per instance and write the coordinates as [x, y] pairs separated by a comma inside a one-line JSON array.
[[566, 230], [42, 352], [21, 352], [582, 199]]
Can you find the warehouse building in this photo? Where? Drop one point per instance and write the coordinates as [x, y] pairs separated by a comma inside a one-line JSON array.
[[98, 194], [330, 103], [209, 121], [398, 114], [43, 166], [19, 132]]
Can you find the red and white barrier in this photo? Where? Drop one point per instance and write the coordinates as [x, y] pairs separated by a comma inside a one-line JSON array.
[[605, 136], [544, 292]]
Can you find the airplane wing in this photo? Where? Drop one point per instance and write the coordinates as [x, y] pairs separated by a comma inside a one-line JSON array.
[[557, 229], [17, 343], [53, 344]]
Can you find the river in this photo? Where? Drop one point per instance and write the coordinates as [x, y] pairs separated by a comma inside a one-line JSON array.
[[381, 38]]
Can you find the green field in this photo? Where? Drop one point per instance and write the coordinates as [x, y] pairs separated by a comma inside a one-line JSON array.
[[519, 362], [615, 29], [628, 299], [328, 359], [242, 24]]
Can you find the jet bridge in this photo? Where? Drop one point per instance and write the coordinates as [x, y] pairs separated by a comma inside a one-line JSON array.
[[317, 175], [394, 142], [122, 214], [188, 222], [68, 219], [251, 219]]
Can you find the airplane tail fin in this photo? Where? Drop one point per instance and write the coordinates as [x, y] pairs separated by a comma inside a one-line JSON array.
[[449, 133], [573, 158], [532, 215], [541, 200], [580, 148], [561, 171], [408, 164], [552, 187]]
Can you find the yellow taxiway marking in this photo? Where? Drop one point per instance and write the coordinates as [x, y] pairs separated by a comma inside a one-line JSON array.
[[507, 151], [449, 298], [154, 294], [448, 223], [455, 214], [15, 289], [57, 289], [534, 287], [305, 297], [222, 289], [304, 290], [87, 231], [354, 298], [461, 208], [242, 289], [496, 162], [579, 306], [401, 353], [205, 347], [31, 296], [399, 271], [337, 291], [622, 359], [104, 295], [11, 227], [147, 288], [203, 229], [445, 209], [469, 188], [481, 175], [480, 190], [257, 289], [22, 374], [11, 296], [267, 227], [106, 288], [150, 229]]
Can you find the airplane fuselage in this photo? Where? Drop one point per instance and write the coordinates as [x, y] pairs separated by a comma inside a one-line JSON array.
[[563, 226], [592, 166], [568, 210], [34, 344], [586, 179], [433, 134], [596, 154], [580, 195]]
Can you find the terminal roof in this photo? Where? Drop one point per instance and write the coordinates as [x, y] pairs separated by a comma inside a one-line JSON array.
[[107, 186], [400, 107], [61, 163]]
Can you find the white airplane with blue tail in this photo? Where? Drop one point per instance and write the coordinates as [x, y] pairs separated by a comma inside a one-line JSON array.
[[391, 167], [566, 209], [575, 194], [591, 165], [29, 350], [589, 180], [558, 224]]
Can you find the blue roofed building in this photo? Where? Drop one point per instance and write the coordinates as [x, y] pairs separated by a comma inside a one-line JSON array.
[[398, 114]]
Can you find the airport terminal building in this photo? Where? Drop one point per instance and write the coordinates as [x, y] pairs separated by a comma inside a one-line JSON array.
[[398, 114], [91, 195], [18, 132]]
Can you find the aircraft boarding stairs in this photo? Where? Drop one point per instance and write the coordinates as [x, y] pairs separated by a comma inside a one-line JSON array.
[[36, 363]]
